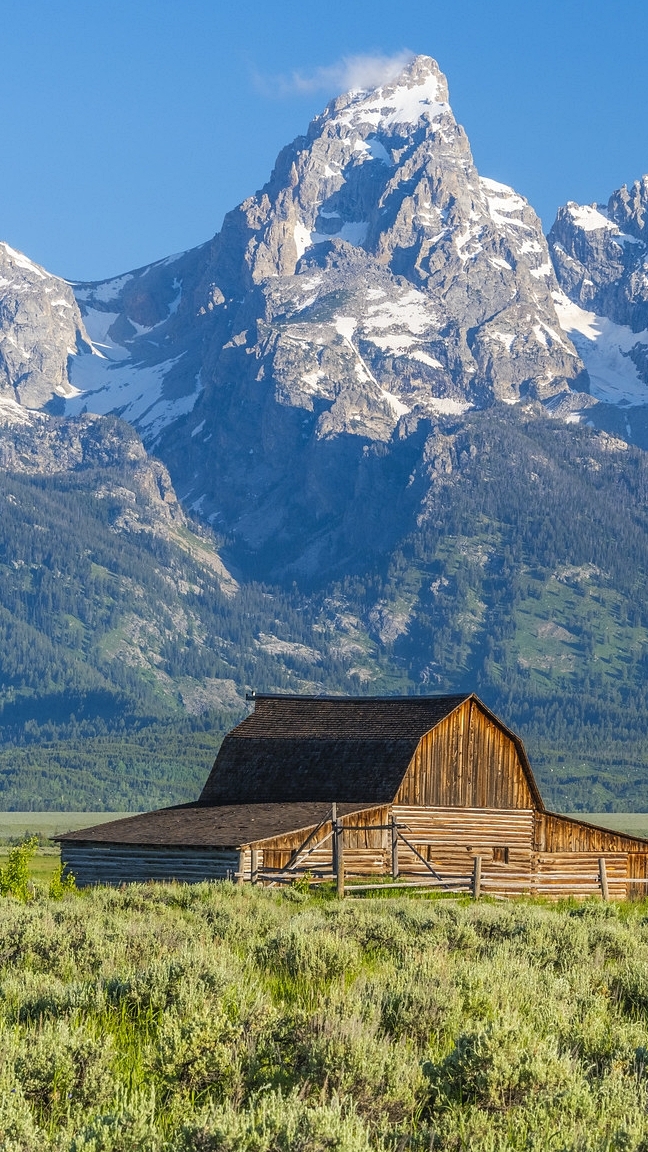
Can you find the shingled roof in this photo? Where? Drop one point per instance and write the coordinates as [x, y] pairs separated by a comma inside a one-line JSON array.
[[319, 749], [199, 826]]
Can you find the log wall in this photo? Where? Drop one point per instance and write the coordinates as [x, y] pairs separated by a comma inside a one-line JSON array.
[[127, 863], [450, 838]]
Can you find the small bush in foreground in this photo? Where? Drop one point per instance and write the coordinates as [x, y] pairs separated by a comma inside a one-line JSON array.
[[14, 877]]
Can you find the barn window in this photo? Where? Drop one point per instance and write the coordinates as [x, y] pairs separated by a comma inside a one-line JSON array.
[[501, 855]]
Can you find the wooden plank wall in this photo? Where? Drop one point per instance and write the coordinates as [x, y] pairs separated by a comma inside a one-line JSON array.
[[522, 850], [126, 863], [637, 870], [561, 874], [450, 838], [277, 850], [467, 761], [562, 834], [367, 845]]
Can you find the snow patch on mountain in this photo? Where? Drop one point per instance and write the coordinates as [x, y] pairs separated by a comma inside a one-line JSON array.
[[399, 103], [111, 383], [605, 350], [22, 261], [11, 412], [590, 217], [104, 292], [503, 202]]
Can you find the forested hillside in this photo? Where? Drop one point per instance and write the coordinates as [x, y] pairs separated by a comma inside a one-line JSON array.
[[527, 582], [127, 646]]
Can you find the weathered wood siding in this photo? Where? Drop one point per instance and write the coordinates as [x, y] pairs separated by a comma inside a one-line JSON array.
[[561, 874], [450, 838], [366, 841], [126, 863], [513, 862], [467, 761], [562, 834], [638, 870]]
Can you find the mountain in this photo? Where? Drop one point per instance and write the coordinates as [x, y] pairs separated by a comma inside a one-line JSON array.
[[378, 393], [374, 282], [125, 644], [40, 329]]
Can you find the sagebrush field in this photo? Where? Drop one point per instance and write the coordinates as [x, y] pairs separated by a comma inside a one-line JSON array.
[[214, 1018]]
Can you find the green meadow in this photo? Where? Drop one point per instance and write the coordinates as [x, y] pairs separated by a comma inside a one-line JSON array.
[[17, 826]]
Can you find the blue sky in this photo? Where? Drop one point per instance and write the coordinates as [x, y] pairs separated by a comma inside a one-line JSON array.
[[130, 128]]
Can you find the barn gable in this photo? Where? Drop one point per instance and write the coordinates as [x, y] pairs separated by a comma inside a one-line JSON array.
[[470, 760]]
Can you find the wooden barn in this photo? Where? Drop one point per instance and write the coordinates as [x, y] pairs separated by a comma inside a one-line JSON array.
[[431, 790]]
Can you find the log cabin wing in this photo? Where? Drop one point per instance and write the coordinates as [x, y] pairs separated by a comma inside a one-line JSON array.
[[443, 770]]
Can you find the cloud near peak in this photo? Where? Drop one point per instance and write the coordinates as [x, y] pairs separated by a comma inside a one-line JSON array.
[[348, 74]]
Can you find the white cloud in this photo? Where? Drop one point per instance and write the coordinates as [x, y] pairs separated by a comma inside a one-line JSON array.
[[348, 74]]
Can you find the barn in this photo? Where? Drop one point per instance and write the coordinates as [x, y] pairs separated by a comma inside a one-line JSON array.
[[426, 790]]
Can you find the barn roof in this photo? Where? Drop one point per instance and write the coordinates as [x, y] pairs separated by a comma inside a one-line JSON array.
[[200, 826], [323, 748]]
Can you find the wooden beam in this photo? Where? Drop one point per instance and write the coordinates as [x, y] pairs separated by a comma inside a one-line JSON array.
[[394, 847], [339, 858], [476, 877], [294, 859], [605, 891]]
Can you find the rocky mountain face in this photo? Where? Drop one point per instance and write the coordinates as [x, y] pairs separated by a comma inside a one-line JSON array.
[[600, 255], [378, 251], [40, 329], [375, 286]]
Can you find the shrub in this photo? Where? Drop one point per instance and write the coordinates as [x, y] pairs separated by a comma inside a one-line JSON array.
[[308, 952], [275, 1123], [61, 883], [14, 877], [214, 1018]]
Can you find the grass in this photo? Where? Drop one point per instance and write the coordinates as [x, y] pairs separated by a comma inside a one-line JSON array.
[[210, 1018], [634, 823], [16, 826], [42, 866]]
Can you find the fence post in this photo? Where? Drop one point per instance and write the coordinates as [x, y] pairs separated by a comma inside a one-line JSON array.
[[476, 877], [394, 847], [339, 857], [334, 839], [254, 866], [605, 891], [241, 865]]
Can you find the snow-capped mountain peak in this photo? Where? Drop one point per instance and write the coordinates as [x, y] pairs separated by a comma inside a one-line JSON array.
[[420, 92], [374, 282]]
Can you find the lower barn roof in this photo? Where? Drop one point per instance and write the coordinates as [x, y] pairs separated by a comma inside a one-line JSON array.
[[200, 826]]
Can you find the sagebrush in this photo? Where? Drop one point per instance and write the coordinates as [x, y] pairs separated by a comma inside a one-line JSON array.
[[218, 1019]]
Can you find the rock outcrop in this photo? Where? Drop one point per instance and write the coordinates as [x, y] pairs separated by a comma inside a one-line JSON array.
[[40, 329], [600, 254]]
